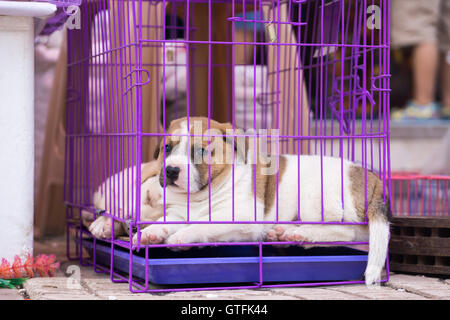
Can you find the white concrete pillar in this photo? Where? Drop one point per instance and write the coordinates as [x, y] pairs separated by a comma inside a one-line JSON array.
[[17, 125]]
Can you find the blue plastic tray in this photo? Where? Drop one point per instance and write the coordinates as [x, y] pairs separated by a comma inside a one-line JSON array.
[[231, 264]]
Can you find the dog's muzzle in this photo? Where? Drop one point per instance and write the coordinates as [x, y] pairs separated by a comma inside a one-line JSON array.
[[172, 174]]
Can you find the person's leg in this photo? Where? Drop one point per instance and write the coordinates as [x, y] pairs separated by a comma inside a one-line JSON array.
[[414, 23], [425, 64], [425, 61]]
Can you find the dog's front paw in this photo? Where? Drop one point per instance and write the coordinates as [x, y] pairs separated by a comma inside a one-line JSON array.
[[181, 237], [294, 233], [101, 227], [275, 233], [153, 234]]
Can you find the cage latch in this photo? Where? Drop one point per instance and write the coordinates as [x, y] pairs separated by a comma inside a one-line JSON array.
[[137, 83]]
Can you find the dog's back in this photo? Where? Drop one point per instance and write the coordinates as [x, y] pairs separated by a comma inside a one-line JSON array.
[[333, 191]]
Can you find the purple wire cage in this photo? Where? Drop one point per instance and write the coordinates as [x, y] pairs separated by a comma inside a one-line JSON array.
[[316, 71]]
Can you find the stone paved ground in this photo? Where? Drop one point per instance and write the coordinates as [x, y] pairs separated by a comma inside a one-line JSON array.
[[94, 286], [99, 287]]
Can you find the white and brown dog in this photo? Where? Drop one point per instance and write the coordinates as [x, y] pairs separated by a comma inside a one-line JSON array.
[[195, 174]]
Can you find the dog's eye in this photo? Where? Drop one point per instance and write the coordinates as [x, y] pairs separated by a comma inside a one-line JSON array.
[[200, 152], [168, 148]]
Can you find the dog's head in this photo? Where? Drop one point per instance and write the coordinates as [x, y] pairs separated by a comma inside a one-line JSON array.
[[196, 153]]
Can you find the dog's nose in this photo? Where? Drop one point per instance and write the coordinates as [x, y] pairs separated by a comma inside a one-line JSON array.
[[172, 172]]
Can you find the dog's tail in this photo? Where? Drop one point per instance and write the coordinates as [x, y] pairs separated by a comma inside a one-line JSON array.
[[379, 214]]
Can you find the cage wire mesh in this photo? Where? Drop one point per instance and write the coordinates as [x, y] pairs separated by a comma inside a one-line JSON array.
[[419, 195], [310, 77]]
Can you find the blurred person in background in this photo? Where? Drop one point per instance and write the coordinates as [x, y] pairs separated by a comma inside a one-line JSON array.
[[424, 25]]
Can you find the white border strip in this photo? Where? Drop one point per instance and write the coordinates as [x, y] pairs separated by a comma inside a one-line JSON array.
[[26, 9]]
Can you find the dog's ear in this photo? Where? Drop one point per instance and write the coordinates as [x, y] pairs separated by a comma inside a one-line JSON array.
[[234, 137], [227, 129], [156, 152]]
